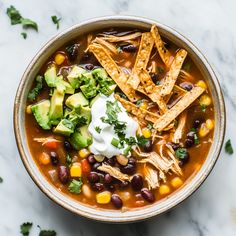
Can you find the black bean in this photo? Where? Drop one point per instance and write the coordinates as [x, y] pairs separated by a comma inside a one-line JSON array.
[[191, 135], [116, 201], [184, 159], [67, 146], [197, 123], [148, 146], [137, 182], [128, 48], [95, 166], [93, 177], [54, 158], [123, 184], [91, 159], [98, 187], [111, 161], [63, 174], [108, 179], [72, 51], [154, 77], [188, 143], [89, 66], [132, 161], [129, 169], [147, 195], [186, 85], [111, 187], [175, 146], [101, 177]]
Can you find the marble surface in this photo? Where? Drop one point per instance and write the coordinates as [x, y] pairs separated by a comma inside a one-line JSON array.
[[211, 211]]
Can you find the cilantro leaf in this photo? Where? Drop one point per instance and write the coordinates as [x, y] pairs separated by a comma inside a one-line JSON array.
[[68, 160], [14, 15], [181, 153], [27, 23], [203, 108], [25, 228], [1, 180], [24, 35], [98, 129], [142, 141], [36, 90], [228, 147], [56, 21], [47, 233], [150, 126], [75, 186]]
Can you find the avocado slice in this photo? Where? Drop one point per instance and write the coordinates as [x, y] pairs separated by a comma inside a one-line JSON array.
[[60, 83], [86, 112], [76, 100], [81, 138], [41, 113], [93, 100], [74, 76], [65, 127], [51, 76], [56, 107], [100, 72]]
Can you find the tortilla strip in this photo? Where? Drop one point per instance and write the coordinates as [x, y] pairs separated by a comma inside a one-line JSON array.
[[180, 129], [177, 89], [114, 172], [144, 52], [178, 108], [115, 39], [151, 176], [173, 73], [163, 52], [140, 113], [109, 46], [113, 70]]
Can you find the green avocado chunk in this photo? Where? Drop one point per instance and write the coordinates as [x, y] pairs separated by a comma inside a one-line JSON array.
[[56, 107], [41, 113], [86, 112], [65, 127], [81, 138], [100, 72], [76, 100], [75, 75]]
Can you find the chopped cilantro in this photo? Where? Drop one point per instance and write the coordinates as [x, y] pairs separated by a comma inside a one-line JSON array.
[[56, 21], [228, 147], [122, 95], [27, 23], [14, 15], [150, 126], [68, 160], [196, 139], [1, 180], [139, 102], [142, 141], [24, 35], [203, 108], [36, 90], [181, 153], [98, 129], [25, 228], [47, 233], [119, 50], [75, 186]]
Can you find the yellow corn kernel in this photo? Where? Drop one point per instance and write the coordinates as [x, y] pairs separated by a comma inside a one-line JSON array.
[[164, 189], [146, 133], [205, 100], [83, 153], [210, 124], [103, 197], [44, 158], [201, 84], [75, 170], [28, 109], [59, 58], [203, 131], [143, 105], [176, 182]]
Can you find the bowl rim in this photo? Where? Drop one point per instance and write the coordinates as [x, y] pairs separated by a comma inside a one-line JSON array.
[[100, 216]]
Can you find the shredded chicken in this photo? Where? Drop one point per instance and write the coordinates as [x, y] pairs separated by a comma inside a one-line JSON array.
[[115, 39], [106, 44], [178, 134], [151, 176]]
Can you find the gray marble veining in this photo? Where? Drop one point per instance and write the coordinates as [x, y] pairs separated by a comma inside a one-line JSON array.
[[211, 211]]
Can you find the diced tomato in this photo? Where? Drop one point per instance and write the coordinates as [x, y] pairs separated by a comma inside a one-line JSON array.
[[52, 143], [85, 166]]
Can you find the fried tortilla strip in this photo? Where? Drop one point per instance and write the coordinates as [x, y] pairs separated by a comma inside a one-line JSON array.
[[173, 73], [104, 43], [163, 52], [114, 172], [178, 134], [151, 176], [113, 70], [178, 108], [140, 113], [144, 52], [115, 39]]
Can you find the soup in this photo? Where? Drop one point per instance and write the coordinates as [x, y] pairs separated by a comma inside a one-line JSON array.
[[119, 118]]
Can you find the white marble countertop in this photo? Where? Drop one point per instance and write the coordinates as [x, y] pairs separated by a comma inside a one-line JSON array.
[[211, 211]]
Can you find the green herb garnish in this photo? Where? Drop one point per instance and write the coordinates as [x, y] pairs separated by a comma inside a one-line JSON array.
[[1, 180], [142, 141], [25, 228], [150, 126], [98, 129], [139, 102], [14, 15], [203, 108], [47, 233], [127, 150], [36, 90], [24, 35], [115, 142], [228, 147], [196, 139], [27, 23], [56, 21], [75, 186], [68, 160], [181, 153]]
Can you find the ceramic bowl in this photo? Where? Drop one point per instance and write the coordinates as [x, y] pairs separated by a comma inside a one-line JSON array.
[[136, 214]]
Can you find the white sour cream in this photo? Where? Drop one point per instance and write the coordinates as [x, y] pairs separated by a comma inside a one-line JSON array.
[[102, 141]]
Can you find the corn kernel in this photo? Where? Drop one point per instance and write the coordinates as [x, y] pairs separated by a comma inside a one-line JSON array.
[[143, 105], [83, 153], [210, 124], [28, 109], [201, 84], [203, 131], [75, 170], [176, 182], [164, 189], [205, 100], [146, 133], [59, 58], [103, 197], [44, 158]]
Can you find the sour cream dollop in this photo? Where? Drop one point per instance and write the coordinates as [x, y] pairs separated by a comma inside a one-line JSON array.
[[102, 139]]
